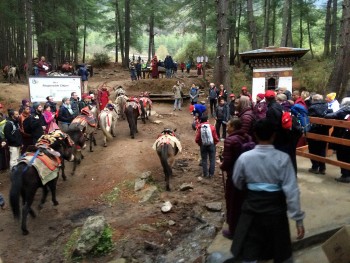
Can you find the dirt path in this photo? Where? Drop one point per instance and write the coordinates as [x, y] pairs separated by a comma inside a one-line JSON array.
[[104, 185]]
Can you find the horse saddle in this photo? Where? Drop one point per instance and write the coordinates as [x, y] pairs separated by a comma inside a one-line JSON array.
[[85, 119]]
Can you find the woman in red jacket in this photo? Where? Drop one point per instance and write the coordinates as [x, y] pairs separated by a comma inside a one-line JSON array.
[[103, 97]]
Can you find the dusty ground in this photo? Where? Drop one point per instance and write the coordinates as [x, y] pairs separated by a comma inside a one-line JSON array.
[[104, 185]]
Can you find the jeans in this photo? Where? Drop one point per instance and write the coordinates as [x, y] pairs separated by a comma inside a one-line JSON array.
[[217, 127], [14, 155], [133, 74], [168, 73], [177, 104], [208, 151]]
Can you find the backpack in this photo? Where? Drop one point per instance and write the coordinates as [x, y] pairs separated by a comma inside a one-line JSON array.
[[302, 116], [206, 135], [286, 120]]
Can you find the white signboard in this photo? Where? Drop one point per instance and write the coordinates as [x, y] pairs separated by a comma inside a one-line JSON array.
[[57, 87]]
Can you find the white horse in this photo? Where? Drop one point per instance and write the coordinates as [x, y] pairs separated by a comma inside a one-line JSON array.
[[12, 74], [108, 120], [120, 103]]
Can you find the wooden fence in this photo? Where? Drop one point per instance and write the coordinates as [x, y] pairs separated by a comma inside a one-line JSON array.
[[303, 151]]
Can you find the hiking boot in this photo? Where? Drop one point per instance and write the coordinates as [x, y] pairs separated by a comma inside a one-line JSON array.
[[226, 233], [343, 179], [314, 171], [322, 171]]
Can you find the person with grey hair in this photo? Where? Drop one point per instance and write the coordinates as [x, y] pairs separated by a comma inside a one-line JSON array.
[[318, 108], [343, 152], [65, 115]]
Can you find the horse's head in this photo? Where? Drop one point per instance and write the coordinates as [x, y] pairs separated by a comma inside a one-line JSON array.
[[169, 132], [65, 148], [78, 137]]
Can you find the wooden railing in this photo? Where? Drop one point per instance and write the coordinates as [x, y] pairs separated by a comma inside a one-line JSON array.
[[303, 151]]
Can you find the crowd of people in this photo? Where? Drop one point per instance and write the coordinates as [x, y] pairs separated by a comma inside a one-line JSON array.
[[140, 69], [259, 193]]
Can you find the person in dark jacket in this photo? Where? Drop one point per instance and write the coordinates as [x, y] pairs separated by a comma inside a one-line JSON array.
[[343, 152], [318, 108], [169, 65], [260, 107], [222, 116], [222, 93], [138, 70], [213, 98], [84, 74], [232, 105], [194, 94], [245, 114], [37, 123], [65, 115], [232, 150], [74, 103], [25, 103], [285, 140], [13, 136]]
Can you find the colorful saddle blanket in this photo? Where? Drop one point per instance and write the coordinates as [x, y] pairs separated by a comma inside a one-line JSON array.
[[135, 105], [168, 139], [85, 119], [46, 167]]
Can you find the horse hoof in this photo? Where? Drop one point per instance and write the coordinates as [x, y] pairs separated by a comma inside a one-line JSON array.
[[55, 203], [91, 151], [132, 137], [25, 232], [105, 145], [168, 188]]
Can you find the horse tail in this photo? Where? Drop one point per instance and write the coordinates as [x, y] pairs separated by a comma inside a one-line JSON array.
[[165, 164], [103, 124], [16, 185]]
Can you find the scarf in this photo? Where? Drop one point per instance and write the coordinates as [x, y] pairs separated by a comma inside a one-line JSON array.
[[69, 108]]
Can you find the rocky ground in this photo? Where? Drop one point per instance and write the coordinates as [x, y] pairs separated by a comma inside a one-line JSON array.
[[104, 184]]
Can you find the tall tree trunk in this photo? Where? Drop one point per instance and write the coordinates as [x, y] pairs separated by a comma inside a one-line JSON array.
[[286, 40], [301, 17], [84, 36], [266, 22], [232, 26], [203, 9], [121, 37], [127, 33], [116, 33], [339, 79], [252, 25], [29, 37], [238, 34], [327, 31], [151, 47], [221, 69], [310, 40], [274, 7], [334, 28]]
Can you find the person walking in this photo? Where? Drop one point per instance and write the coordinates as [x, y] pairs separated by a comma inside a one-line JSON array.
[[222, 116], [84, 74], [13, 137], [26, 137], [43, 67], [233, 147], [177, 90], [74, 103], [268, 175], [37, 123], [222, 93], [207, 138], [260, 107], [245, 114], [188, 67]]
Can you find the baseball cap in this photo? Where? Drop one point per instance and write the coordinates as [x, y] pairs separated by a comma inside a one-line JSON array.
[[270, 94], [232, 95], [244, 88]]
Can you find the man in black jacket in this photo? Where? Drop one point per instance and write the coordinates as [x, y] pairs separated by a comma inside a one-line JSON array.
[[37, 123], [13, 136]]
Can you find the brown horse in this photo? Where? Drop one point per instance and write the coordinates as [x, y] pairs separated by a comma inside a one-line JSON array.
[[146, 107], [132, 113], [167, 147]]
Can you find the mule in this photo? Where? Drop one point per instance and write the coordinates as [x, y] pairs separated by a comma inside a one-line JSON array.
[[132, 113], [25, 181], [120, 103], [146, 107], [107, 121], [79, 139], [167, 147]]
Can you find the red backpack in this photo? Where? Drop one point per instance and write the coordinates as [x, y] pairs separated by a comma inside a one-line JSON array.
[[287, 120]]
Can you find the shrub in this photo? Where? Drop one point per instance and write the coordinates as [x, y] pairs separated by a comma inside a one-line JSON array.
[[100, 59]]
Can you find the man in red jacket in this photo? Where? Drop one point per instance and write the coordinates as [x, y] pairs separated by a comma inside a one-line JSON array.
[[207, 138], [298, 99]]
